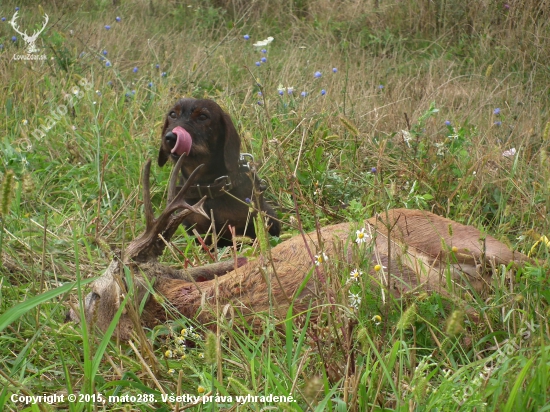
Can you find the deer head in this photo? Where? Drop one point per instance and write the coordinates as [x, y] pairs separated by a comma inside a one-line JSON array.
[[31, 40], [104, 299]]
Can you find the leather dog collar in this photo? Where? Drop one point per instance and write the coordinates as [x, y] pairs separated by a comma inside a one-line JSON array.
[[216, 189]]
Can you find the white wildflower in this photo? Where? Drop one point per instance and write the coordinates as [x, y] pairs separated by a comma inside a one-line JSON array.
[[362, 236], [355, 275], [321, 258], [263, 43], [406, 137], [510, 152], [354, 300]]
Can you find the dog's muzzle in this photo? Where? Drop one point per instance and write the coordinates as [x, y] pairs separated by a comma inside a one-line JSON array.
[[171, 139]]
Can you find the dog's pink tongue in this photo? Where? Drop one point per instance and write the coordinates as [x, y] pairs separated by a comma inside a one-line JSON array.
[[184, 141]]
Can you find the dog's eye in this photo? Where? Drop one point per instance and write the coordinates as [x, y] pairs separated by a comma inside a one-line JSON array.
[[172, 115], [202, 116]]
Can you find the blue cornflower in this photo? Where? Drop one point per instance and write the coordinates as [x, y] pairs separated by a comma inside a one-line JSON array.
[[135, 69], [373, 170], [317, 74], [498, 123], [334, 69], [496, 112], [289, 90], [150, 84], [323, 92], [98, 92], [246, 37], [3, 19], [303, 94], [105, 52], [258, 64], [163, 74], [1, 46], [109, 83], [157, 66], [107, 27], [133, 92], [13, 39], [264, 51], [17, 9], [117, 19], [264, 60], [281, 92], [447, 122], [247, 200], [108, 63], [259, 93], [380, 86], [259, 103]]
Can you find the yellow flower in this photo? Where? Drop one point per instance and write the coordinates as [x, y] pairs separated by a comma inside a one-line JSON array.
[[377, 319], [201, 389], [168, 353], [171, 371]]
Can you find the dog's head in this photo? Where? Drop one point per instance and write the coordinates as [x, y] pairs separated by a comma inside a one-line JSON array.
[[202, 131]]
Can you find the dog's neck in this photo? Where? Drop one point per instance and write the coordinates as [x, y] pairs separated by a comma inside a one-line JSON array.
[[216, 184], [212, 170]]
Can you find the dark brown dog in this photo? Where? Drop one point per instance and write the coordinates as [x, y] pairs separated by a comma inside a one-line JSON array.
[[200, 130]]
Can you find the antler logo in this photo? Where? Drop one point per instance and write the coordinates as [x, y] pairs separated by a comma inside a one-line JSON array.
[[31, 40]]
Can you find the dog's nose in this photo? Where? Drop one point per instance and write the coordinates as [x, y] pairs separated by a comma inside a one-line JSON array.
[[171, 138]]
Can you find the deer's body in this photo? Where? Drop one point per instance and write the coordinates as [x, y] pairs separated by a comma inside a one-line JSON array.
[[417, 248], [421, 253]]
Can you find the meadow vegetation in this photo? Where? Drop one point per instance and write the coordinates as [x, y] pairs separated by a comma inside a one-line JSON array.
[[360, 106]]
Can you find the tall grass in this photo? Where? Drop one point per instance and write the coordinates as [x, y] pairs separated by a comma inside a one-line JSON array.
[[408, 119]]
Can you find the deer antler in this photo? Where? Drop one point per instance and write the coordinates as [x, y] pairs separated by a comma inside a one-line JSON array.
[[15, 26], [149, 246], [31, 47], [36, 33]]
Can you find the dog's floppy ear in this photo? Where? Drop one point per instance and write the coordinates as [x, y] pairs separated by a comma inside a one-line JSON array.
[[163, 154], [232, 147]]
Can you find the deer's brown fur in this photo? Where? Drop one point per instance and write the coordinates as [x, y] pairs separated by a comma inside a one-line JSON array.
[[417, 247], [421, 245]]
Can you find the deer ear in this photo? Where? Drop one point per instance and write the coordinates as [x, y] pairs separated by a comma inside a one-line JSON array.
[[164, 154], [232, 147]]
